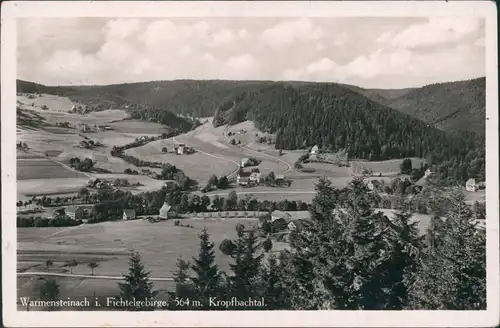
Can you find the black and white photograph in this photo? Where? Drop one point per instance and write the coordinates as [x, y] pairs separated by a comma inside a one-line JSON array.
[[259, 163]]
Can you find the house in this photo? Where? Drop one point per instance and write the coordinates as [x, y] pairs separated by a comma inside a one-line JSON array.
[[84, 127], [243, 181], [280, 177], [170, 184], [373, 184], [296, 224], [75, 212], [180, 150], [128, 214], [314, 150], [165, 211], [93, 182], [427, 172], [52, 153], [244, 162], [243, 177], [276, 215], [470, 185]]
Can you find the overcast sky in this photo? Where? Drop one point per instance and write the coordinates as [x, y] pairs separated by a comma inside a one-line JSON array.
[[369, 52]]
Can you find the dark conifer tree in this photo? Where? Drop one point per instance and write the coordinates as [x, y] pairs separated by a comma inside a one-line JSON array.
[[206, 280], [137, 285]]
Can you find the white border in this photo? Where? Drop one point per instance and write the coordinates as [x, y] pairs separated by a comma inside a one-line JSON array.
[[13, 10]]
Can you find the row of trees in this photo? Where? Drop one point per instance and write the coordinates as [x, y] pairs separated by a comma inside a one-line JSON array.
[[216, 183], [84, 166], [348, 257]]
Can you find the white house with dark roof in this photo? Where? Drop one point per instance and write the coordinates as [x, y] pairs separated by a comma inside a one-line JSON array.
[[314, 150], [470, 185]]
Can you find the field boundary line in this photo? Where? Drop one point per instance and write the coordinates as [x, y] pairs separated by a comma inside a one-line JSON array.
[[66, 166]]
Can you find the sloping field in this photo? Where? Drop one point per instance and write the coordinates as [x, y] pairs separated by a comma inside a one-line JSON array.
[[44, 169], [139, 127], [54, 103], [198, 166], [233, 153], [60, 186], [389, 166], [148, 183], [160, 244], [328, 170]]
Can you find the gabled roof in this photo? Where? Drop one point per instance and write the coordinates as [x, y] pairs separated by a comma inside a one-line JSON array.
[[280, 176], [242, 173], [471, 181]]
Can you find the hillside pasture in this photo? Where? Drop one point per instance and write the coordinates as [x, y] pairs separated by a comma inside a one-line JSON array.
[[198, 166], [391, 166], [138, 127], [50, 186], [329, 170], [160, 244], [28, 169], [231, 152]]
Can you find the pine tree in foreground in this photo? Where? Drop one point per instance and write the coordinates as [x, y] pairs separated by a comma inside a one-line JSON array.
[[274, 288], [137, 285], [183, 286], [453, 276], [245, 281], [406, 258], [206, 281]]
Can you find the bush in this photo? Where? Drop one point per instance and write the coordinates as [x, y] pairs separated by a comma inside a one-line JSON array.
[[227, 247], [267, 245], [177, 223]]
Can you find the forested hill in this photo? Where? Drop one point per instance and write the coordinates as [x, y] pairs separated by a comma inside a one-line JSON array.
[[31, 87], [450, 106], [334, 116], [188, 97]]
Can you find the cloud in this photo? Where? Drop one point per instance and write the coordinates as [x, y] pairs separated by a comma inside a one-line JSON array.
[[222, 37], [437, 30], [341, 39], [372, 52], [121, 28], [244, 65], [288, 32]]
